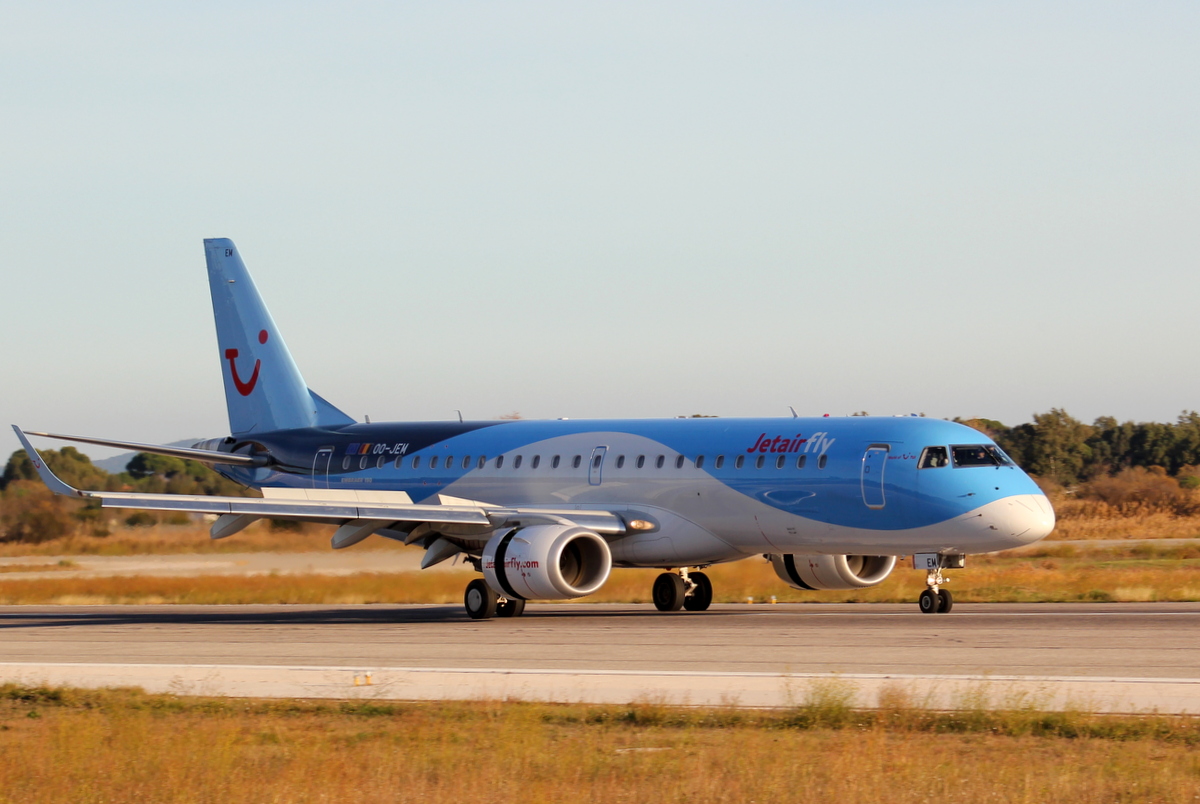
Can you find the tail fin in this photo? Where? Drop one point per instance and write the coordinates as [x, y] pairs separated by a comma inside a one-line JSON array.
[[263, 388]]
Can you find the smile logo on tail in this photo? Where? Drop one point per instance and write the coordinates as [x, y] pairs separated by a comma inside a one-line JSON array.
[[245, 388]]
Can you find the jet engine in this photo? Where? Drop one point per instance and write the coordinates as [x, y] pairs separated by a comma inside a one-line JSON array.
[[832, 572], [546, 562]]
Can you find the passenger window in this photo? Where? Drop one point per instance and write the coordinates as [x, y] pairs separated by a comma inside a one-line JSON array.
[[699, 461], [482, 461], [578, 460], [596, 461], [362, 462], [679, 462], [536, 462], [517, 462], [740, 462], [758, 462], [661, 460], [399, 461], [803, 459], [467, 462], [416, 462], [933, 458], [620, 461], [779, 462], [449, 462], [499, 461], [346, 462], [824, 459], [720, 461], [554, 462], [379, 463], [641, 461], [433, 462]]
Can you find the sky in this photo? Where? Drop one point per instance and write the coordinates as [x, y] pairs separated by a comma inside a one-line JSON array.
[[603, 209]]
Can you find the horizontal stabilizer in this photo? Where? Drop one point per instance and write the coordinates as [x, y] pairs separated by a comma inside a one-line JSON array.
[[201, 455]]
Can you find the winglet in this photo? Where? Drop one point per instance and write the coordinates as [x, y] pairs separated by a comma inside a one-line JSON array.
[[49, 478]]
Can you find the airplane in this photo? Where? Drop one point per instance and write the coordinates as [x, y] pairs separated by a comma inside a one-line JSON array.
[[544, 510]]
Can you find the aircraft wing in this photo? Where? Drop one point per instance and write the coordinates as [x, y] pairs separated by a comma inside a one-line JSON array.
[[333, 512]]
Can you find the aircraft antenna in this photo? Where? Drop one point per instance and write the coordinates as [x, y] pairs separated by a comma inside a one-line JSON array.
[[795, 415], [459, 412]]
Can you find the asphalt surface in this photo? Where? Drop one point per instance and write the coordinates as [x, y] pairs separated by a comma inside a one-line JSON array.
[[1111, 639], [1107, 657]]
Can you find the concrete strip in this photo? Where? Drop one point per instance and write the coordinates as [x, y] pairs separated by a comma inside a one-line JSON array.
[[760, 690], [349, 562]]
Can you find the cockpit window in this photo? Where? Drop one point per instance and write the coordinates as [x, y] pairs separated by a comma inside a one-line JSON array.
[[933, 458], [979, 455], [1000, 457]]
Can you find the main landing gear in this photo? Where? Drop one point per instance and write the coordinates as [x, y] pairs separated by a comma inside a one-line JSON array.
[[687, 590], [482, 603]]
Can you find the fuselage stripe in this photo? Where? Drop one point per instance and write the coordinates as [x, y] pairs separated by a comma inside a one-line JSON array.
[[501, 552], [789, 563]]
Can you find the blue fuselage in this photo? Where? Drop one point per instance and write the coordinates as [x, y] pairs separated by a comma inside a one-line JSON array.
[[717, 489]]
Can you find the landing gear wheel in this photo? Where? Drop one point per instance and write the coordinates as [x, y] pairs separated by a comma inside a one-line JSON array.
[[701, 596], [945, 601], [668, 592], [929, 602], [480, 600], [510, 607]]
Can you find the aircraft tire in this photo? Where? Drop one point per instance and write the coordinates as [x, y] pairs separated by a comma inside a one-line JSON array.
[[945, 601], [511, 607], [668, 592], [701, 597], [480, 600], [929, 601]]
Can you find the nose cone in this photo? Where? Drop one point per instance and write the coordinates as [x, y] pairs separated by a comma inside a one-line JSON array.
[[1022, 518]]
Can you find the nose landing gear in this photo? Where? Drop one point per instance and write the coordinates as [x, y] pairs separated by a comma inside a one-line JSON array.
[[935, 599]]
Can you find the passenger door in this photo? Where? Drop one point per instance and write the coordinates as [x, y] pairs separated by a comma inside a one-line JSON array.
[[873, 465], [596, 466], [320, 470]]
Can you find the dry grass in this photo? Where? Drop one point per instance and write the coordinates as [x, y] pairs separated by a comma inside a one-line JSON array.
[[1087, 519], [1055, 573], [175, 539], [124, 746]]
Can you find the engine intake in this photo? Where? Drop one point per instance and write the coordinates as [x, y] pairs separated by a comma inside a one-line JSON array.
[[546, 562], [832, 572]]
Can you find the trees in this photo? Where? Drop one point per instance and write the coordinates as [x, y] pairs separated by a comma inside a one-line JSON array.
[[29, 512], [1059, 447]]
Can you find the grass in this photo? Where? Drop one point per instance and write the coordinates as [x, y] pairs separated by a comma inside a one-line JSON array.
[[176, 539], [1053, 573], [123, 745], [1079, 521]]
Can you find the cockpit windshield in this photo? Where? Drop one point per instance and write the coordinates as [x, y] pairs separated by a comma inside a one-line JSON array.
[[979, 455]]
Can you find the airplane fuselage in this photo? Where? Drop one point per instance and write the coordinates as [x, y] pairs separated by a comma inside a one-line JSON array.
[[715, 489]]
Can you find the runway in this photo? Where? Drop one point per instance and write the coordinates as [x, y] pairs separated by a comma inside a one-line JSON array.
[[1107, 657]]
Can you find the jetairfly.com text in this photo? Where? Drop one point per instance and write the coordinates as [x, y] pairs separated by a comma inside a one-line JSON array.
[[816, 443]]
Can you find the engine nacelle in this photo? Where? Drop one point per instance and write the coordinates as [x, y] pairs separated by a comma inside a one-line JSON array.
[[546, 562], [832, 572]]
